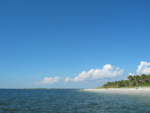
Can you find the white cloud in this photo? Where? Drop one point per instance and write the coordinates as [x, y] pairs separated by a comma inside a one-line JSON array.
[[50, 80], [108, 71], [67, 79], [143, 68], [131, 74]]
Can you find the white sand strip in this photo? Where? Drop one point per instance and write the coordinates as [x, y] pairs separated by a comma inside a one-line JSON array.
[[143, 90]]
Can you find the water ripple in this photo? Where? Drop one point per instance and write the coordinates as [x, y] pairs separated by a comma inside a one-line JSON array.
[[70, 101]]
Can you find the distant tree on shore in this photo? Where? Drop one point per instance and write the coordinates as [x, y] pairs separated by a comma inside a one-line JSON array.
[[133, 81]]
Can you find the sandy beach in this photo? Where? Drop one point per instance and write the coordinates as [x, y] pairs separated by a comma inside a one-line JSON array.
[[138, 90]]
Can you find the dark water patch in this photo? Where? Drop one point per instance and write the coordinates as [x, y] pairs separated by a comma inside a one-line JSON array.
[[70, 101]]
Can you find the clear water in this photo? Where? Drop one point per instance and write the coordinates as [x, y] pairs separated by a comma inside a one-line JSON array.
[[70, 101]]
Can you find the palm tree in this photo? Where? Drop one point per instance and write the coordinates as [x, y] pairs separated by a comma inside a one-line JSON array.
[[144, 77], [130, 77], [126, 82], [137, 79]]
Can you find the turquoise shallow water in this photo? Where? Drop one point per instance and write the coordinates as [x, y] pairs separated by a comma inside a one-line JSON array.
[[70, 101]]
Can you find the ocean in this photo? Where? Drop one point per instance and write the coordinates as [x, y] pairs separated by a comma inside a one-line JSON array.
[[70, 101]]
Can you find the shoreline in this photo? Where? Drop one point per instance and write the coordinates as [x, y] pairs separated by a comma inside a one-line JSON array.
[[138, 90]]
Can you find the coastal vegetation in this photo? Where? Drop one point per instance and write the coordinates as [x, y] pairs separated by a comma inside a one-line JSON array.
[[132, 81]]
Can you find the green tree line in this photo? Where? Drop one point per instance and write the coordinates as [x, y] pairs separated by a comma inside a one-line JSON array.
[[132, 81]]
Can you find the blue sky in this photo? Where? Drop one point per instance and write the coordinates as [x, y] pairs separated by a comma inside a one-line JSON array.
[[50, 43]]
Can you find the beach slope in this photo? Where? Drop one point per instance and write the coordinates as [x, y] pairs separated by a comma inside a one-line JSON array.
[[138, 90]]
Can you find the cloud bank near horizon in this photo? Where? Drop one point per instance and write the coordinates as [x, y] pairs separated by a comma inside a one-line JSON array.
[[50, 80], [107, 72], [143, 68]]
